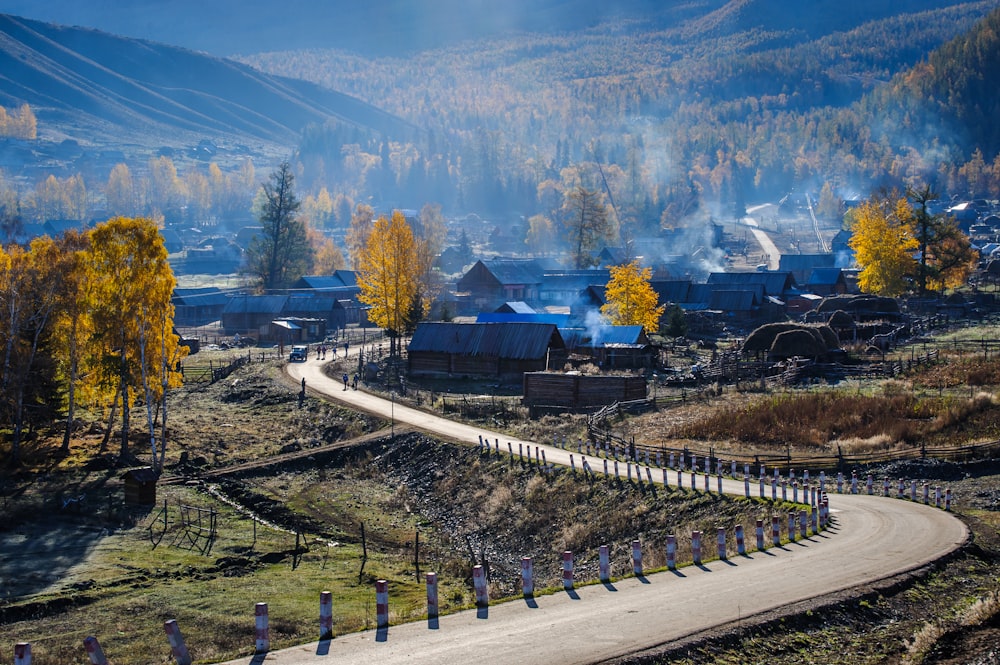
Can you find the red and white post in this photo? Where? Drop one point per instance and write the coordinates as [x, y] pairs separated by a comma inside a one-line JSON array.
[[803, 524], [947, 499], [479, 583], [178, 649], [741, 547], [760, 535], [262, 632], [791, 526], [636, 558], [527, 577], [604, 566], [432, 595], [775, 530], [381, 604], [696, 547], [671, 552], [22, 653], [567, 570], [325, 615], [720, 539], [95, 652]]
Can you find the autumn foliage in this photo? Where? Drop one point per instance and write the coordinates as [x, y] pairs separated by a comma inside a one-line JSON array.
[[88, 318], [631, 301]]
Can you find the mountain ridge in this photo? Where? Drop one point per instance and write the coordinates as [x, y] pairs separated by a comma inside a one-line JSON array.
[[91, 79]]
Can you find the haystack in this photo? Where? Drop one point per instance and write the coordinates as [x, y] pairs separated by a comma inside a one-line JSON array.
[[803, 342], [763, 338]]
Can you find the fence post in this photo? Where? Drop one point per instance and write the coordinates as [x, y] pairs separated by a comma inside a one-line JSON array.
[[671, 552], [775, 530]]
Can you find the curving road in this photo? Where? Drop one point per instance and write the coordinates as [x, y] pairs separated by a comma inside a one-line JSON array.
[[873, 538]]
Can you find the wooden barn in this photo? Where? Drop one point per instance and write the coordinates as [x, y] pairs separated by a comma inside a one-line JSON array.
[[504, 350], [548, 390], [140, 486]]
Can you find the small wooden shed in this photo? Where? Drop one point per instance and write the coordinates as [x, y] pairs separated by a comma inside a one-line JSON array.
[[140, 486]]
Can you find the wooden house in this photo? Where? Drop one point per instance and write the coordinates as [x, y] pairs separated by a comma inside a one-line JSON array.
[[492, 282], [611, 347], [504, 350], [198, 307]]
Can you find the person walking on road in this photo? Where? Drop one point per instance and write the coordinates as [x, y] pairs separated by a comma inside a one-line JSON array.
[[345, 380]]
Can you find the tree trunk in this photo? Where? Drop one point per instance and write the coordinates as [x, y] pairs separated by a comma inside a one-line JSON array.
[[111, 424], [71, 397]]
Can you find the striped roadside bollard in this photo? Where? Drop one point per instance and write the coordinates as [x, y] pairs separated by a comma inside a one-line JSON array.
[[22, 653], [665, 484], [94, 651], [605, 467], [791, 526], [696, 547], [795, 492], [694, 481], [937, 496], [527, 577], [774, 489], [636, 558], [784, 490], [947, 499], [479, 583], [760, 535], [854, 482], [762, 486], [649, 475], [604, 566], [381, 604], [431, 580], [719, 477], [720, 539], [901, 489], [885, 487], [262, 630], [913, 490], [178, 649], [326, 615], [746, 486], [707, 489], [927, 493], [741, 547], [822, 481], [840, 483], [815, 520], [775, 530], [732, 468], [671, 552], [567, 570], [805, 476], [680, 479], [803, 524]]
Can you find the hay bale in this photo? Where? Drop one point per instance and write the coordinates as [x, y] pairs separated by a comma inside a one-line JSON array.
[[858, 304], [763, 338], [840, 319], [803, 342]]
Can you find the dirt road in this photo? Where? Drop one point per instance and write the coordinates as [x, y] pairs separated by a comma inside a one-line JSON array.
[[874, 538]]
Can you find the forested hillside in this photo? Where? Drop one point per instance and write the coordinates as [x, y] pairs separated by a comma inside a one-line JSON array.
[[751, 100]]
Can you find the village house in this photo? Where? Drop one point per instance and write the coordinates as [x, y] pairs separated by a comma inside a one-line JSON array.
[[503, 350]]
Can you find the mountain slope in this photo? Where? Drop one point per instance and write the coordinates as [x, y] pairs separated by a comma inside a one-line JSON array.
[[102, 83]]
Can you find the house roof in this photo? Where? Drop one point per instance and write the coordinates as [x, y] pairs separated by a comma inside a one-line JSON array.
[[602, 336], [821, 276], [515, 341], [513, 271], [569, 280], [672, 290], [338, 280], [319, 304], [515, 307], [248, 304], [732, 301], [516, 317], [774, 282], [804, 262]]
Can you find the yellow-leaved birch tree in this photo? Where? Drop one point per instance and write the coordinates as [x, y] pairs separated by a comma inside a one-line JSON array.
[[631, 300], [388, 275]]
